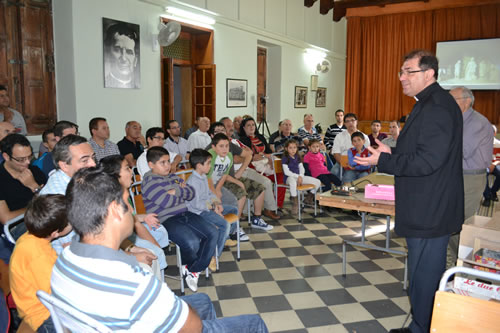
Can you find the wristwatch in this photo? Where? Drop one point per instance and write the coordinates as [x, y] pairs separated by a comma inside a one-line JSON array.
[[37, 190]]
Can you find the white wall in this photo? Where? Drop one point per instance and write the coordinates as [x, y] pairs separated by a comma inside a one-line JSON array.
[[286, 27]]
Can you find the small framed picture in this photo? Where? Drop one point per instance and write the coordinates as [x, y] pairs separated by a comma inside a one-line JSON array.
[[300, 97], [320, 97], [236, 93]]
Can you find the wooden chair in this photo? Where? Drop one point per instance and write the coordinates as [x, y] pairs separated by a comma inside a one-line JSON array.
[[278, 168]]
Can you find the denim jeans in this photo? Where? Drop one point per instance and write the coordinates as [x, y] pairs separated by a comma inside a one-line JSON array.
[[47, 326], [202, 304], [162, 261], [159, 234], [221, 224], [196, 238], [351, 175]]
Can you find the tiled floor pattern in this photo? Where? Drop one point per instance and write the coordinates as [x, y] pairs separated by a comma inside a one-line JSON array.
[[292, 277]]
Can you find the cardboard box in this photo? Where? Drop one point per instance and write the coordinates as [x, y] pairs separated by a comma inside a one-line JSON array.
[[478, 232], [478, 289]]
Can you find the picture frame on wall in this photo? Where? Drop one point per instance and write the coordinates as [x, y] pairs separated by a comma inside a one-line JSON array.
[[320, 97], [300, 97], [121, 58], [236, 93]]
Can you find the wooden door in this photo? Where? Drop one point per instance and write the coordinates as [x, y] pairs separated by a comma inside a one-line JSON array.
[[27, 60], [167, 98], [204, 91], [261, 83]]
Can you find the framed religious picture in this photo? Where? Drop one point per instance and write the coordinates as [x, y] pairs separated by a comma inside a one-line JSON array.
[[236, 93], [300, 97], [121, 54], [321, 97]]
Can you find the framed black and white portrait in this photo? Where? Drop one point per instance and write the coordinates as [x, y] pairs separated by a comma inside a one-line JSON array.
[[121, 45], [236, 92], [300, 97], [321, 97]]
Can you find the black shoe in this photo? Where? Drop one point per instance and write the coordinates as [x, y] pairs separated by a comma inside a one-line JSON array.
[[400, 330], [486, 202], [494, 196]]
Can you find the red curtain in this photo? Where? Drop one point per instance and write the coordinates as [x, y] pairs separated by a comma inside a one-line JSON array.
[[376, 46]]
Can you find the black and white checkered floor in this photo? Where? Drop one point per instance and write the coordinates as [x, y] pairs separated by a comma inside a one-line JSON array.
[[292, 276]]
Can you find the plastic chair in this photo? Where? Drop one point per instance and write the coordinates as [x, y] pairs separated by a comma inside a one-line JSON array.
[[278, 167], [68, 319], [9, 225]]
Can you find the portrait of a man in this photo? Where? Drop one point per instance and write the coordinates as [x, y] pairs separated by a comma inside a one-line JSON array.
[[121, 54]]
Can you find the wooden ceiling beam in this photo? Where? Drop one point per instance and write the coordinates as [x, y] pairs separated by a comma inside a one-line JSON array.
[[325, 6], [340, 6], [309, 3]]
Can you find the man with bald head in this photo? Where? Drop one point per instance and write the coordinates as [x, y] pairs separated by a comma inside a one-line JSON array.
[[132, 144], [200, 138], [285, 133]]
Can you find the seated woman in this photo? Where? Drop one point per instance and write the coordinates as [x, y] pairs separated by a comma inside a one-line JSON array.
[[148, 232], [261, 159]]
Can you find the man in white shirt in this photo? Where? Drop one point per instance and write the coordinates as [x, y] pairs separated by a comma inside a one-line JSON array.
[[155, 137], [200, 138], [175, 143]]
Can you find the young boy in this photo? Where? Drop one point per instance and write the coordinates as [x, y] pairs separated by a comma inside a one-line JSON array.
[[317, 166], [356, 171], [206, 204], [31, 264], [221, 164], [167, 195]]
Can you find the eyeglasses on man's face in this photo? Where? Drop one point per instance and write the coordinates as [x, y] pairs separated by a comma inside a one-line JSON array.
[[408, 72], [22, 159]]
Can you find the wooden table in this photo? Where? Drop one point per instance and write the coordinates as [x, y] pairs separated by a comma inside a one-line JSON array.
[[359, 203]]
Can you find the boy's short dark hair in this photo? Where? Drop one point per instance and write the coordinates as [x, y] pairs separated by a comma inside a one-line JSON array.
[[350, 115], [150, 133], [112, 165], [198, 156], [357, 134], [45, 135], [60, 126], [8, 143], [313, 141], [376, 121], [89, 194], [219, 137], [155, 153], [211, 130], [46, 214]]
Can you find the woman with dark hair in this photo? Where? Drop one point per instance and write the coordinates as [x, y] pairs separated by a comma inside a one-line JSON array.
[[148, 232], [261, 159]]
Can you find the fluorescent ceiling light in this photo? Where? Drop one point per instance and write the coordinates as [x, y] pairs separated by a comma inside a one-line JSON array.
[[190, 16]]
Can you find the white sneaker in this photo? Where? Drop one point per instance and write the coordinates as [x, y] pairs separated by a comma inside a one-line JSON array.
[[191, 279], [259, 223], [243, 237]]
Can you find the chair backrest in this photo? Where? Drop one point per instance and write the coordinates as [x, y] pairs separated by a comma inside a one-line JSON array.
[[185, 174], [136, 196], [278, 166], [9, 225], [68, 319]]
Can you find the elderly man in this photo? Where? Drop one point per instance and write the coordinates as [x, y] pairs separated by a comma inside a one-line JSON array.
[[99, 131], [175, 143], [10, 115], [132, 144], [392, 139], [236, 127], [285, 134], [308, 131], [200, 138], [427, 167], [134, 300]]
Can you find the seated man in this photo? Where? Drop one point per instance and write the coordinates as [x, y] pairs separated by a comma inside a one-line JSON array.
[[33, 258], [200, 138], [392, 139], [155, 136], [99, 141], [132, 144], [308, 131], [135, 300], [20, 181], [376, 134], [284, 134], [175, 143], [45, 162], [9, 114], [165, 194]]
